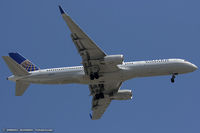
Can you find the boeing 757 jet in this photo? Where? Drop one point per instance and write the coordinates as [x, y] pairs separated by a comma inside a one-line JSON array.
[[103, 73]]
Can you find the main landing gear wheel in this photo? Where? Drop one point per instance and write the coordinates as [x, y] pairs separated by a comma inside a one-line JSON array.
[[99, 96], [91, 76], [94, 75]]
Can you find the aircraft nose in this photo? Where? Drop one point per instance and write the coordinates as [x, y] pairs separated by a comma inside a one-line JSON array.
[[194, 67]]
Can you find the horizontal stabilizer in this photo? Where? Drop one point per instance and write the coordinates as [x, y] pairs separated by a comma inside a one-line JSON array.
[[14, 67], [21, 88]]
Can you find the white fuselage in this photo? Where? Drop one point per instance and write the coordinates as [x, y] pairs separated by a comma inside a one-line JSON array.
[[128, 70]]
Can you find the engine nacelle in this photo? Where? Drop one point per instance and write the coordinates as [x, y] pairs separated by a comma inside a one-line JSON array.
[[122, 95], [113, 59]]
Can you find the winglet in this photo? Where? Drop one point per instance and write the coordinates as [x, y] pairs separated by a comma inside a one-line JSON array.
[[61, 10], [90, 116]]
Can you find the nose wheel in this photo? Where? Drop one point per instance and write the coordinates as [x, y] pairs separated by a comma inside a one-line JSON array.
[[173, 77]]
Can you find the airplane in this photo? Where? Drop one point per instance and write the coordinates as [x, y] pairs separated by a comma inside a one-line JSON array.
[[103, 73]]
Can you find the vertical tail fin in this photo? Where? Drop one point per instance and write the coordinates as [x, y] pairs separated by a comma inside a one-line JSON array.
[[26, 64], [14, 67]]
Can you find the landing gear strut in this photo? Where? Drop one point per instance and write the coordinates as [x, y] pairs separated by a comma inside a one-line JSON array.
[[173, 77]]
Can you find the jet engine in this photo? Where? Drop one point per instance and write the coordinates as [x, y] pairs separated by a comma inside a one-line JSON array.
[[113, 59], [122, 95]]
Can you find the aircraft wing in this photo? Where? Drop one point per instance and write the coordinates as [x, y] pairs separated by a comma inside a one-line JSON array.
[[83, 43], [99, 106], [89, 51]]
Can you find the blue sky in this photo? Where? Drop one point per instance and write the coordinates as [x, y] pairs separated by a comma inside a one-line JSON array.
[[138, 29]]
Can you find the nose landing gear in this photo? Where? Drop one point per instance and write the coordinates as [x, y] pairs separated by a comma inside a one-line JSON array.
[[173, 77]]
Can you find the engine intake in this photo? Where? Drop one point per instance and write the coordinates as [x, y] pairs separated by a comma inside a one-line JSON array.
[[113, 59], [122, 95]]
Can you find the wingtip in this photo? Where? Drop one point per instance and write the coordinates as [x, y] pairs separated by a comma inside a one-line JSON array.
[[90, 116], [61, 10]]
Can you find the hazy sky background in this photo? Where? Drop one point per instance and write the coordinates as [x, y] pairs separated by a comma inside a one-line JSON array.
[[138, 29]]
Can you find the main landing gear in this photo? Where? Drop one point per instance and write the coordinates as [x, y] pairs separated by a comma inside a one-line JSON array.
[[99, 96], [173, 77], [94, 75]]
